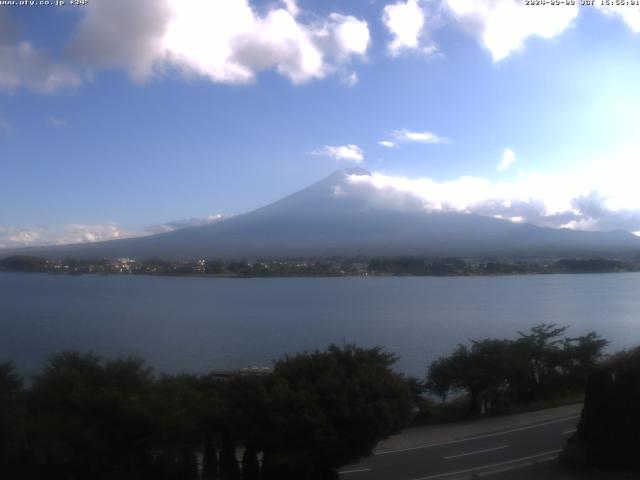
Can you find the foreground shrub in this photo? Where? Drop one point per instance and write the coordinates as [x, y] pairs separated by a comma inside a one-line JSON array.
[[608, 434]]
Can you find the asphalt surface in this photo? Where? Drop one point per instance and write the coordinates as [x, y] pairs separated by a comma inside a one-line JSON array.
[[491, 454]]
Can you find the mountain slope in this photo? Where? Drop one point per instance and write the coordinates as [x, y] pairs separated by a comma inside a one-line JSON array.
[[319, 221]]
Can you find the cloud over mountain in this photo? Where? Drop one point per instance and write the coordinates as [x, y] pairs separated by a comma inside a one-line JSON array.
[[73, 233], [540, 200]]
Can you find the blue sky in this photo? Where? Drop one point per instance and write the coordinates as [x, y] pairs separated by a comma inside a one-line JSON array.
[[123, 118]]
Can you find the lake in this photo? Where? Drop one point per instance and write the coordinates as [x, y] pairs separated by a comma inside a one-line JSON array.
[[196, 324]]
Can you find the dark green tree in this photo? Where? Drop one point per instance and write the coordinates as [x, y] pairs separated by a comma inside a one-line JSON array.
[[229, 468], [250, 465], [582, 355], [542, 346], [540, 362], [609, 429], [331, 408], [23, 263], [446, 374], [209, 459], [488, 370], [89, 419], [12, 418], [175, 403]]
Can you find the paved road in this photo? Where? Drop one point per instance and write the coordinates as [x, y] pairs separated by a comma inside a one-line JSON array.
[[478, 456]]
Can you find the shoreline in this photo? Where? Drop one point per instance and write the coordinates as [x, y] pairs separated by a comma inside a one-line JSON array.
[[368, 275]]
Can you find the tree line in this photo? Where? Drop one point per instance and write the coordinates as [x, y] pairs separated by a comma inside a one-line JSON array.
[[87, 417], [539, 363], [334, 266]]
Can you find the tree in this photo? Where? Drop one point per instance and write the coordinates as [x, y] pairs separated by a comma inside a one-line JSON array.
[[175, 403], [229, 468], [250, 465], [23, 263], [500, 371], [609, 429], [489, 369], [209, 459], [11, 421], [331, 408], [89, 419], [542, 347], [446, 374], [582, 355]]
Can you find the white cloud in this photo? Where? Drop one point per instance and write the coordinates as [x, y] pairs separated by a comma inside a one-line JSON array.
[[351, 36], [503, 25], [387, 143], [601, 196], [57, 122], [225, 41], [628, 14], [508, 159], [292, 7], [432, 51], [405, 135], [22, 66], [17, 237], [351, 153], [351, 79], [183, 223], [405, 21], [69, 233]]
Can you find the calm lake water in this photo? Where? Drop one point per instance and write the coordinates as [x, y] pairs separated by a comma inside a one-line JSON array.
[[201, 324]]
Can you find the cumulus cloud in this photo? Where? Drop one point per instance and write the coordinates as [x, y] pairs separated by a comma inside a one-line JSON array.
[[628, 14], [350, 153], [121, 34], [387, 143], [405, 21], [292, 7], [508, 159], [23, 66], [226, 41], [404, 135], [575, 201], [502, 26]]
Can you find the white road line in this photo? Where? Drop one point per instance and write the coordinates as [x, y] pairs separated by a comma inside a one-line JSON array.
[[359, 470], [492, 465], [494, 471], [479, 437], [476, 452], [569, 432]]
